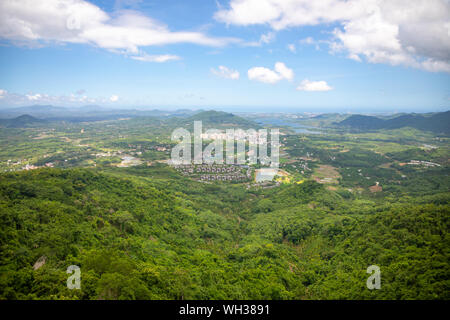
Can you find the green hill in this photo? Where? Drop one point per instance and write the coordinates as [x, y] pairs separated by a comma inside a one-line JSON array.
[[221, 119], [21, 121], [437, 123]]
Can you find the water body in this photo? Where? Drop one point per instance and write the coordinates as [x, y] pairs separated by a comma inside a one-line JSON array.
[[298, 128], [265, 174]]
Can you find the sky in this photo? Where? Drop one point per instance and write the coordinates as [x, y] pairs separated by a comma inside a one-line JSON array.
[[236, 55]]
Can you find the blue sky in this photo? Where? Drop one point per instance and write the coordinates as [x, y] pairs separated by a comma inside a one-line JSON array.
[[238, 55]]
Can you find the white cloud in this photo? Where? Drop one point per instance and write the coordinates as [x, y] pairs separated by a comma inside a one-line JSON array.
[[354, 56], [156, 58], [436, 66], [78, 21], [262, 74], [308, 40], [266, 75], [267, 38], [226, 73], [73, 99], [34, 97], [316, 43], [307, 85], [263, 39], [291, 47], [284, 71], [414, 33]]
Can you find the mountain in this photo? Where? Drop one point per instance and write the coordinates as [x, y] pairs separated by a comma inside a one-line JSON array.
[[362, 122], [437, 122], [222, 119], [184, 113], [21, 121]]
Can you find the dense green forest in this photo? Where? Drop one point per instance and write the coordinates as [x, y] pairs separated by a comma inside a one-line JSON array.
[[436, 122], [140, 237]]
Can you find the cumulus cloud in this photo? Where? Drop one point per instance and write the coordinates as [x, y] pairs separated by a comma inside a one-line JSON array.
[[226, 73], [114, 98], [78, 21], [405, 32], [34, 97], [266, 75], [284, 71], [3, 93], [307, 85], [262, 74]]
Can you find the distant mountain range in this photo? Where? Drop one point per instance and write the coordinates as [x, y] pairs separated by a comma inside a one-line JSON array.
[[436, 122], [39, 114], [88, 113]]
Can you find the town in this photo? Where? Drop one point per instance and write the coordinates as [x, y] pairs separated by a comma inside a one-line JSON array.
[[216, 172]]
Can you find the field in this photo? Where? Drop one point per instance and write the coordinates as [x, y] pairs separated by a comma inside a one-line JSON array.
[[326, 174]]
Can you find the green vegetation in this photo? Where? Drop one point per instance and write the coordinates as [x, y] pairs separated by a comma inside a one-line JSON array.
[[21, 121], [437, 123], [149, 232], [135, 240], [219, 119]]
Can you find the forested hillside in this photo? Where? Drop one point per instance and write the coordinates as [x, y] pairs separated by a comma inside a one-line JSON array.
[[438, 123], [21, 121], [219, 119], [137, 237]]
